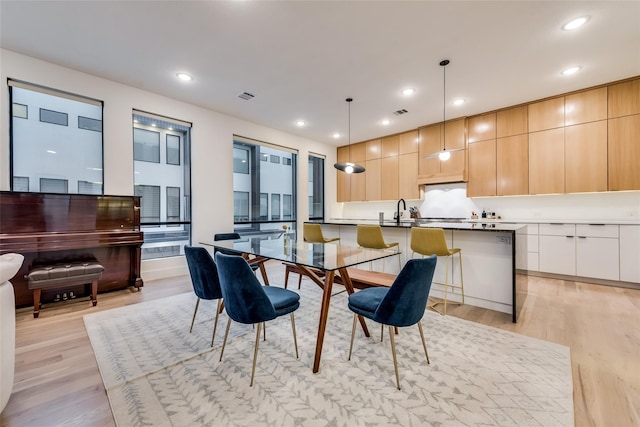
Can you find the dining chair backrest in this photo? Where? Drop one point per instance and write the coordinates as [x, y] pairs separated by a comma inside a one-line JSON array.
[[406, 300], [203, 271], [313, 233], [245, 300], [429, 241]]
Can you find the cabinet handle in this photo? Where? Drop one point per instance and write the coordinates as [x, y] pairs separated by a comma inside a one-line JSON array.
[[596, 224], [556, 223], [571, 237], [582, 237]]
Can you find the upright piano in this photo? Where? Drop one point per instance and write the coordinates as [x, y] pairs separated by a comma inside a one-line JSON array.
[[46, 227]]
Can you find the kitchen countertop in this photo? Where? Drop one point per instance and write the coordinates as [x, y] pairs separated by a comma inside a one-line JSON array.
[[410, 223], [449, 225]]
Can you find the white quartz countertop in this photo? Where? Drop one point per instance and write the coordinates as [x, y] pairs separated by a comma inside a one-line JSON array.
[[407, 222]]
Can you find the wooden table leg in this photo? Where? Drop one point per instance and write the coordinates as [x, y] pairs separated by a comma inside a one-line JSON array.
[[94, 292], [324, 315], [36, 303], [344, 275]]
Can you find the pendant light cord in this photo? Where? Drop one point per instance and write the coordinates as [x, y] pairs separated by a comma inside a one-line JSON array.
[[349, 125], [444, 64]]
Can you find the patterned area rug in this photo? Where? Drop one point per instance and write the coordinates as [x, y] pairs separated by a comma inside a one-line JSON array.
[[157, 373]]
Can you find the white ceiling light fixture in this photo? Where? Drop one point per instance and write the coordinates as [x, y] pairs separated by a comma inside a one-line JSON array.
[[348, 167], [385, 122], [336, 135], [184, 77], [300, 123], [571, 70], [408, 91], [458, 101], [575, 23]]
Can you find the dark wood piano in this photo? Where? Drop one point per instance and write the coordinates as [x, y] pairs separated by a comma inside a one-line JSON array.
[[52, 227]]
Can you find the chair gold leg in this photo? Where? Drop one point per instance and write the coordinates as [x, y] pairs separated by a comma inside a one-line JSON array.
[[215, 322], [194, 315], [264, 331], [424, 343], [224, 343], [295, 339], [353, 334], [381, 332], [255, 353], [461, 279], [393, 351]]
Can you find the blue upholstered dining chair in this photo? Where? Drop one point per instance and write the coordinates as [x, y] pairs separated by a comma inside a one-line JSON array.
[[247, 301], [231, 236], [402, 304], [204, 276]]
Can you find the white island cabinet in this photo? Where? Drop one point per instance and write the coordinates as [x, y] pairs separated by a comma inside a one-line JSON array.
[[630, 253]]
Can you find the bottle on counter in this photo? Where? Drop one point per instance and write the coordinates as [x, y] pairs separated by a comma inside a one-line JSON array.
[[484, 213]]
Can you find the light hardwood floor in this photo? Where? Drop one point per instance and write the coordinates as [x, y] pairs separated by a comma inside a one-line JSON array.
[[57, 379]]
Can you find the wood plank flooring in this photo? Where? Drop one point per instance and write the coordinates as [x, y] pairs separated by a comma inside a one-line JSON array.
[[57, 379]]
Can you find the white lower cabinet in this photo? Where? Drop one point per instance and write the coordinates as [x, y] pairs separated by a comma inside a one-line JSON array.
[[630, 253], [558, 254], [597, 251], [527, 248]]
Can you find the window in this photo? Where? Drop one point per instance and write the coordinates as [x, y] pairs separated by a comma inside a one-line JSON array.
[[20, 110], [261, 186], [275, 206], [240, 206], [146, 145], [316, 187], [149, 202], [264, 206], [54, 117], [45, 152], [173, 204], [241, 160], [162, 176], [286, 161], [52, 185], [286, 206], [89, 124], [173, 149]]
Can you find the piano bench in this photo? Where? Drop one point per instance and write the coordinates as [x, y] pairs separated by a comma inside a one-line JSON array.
[[52, 276]]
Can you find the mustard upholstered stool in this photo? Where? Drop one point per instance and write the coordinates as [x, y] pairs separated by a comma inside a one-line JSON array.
[[370, 237], [312, 233], [432, 241]]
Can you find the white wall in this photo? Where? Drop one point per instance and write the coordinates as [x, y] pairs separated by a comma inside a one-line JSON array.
[[211, 143]]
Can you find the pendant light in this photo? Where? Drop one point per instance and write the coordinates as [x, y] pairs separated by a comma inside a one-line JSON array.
[[444, 154], [348, 167]]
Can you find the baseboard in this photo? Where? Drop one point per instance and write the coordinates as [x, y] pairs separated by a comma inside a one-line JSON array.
[[614, 283]]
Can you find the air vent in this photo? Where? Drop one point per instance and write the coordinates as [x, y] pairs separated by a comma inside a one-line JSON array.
[[246, 96], [400, 112]]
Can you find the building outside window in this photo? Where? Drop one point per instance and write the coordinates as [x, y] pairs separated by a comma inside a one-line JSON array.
[[162, 177], [56, 141], [264, 188], [316, 187]]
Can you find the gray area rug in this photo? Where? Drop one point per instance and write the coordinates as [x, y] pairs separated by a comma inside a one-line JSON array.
[[157, 373]]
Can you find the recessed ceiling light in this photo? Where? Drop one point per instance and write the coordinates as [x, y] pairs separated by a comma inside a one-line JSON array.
[[458, 101], [575, 23], [51, 152], [170, 128], [408, 91], [300, 123], [336, 135], [184, 77], [135, 121], [571, 70], [153, 124], [386, 122]]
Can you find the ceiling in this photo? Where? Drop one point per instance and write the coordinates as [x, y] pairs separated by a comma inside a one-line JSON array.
[[301, 59]]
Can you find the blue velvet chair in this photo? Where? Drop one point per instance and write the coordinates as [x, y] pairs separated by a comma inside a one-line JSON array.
[[402, 304], [204, 276], [231, 236], [247, 301]]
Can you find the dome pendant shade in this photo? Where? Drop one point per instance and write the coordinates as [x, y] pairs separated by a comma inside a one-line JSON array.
[[348, 167], [444, 155]]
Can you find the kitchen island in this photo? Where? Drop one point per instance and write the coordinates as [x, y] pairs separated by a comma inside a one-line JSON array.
[[488, 258]]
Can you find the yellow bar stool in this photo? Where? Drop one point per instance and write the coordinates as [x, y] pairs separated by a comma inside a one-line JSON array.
[[432, 241], [311, 233], [370, 237]]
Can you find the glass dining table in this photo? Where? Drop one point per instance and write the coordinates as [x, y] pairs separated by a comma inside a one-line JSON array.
[[320, 262]]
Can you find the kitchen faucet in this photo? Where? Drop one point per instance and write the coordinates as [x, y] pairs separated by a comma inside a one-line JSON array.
[[404, 208]]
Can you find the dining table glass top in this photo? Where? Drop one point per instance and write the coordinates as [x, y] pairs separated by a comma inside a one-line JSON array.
[[324, 256]]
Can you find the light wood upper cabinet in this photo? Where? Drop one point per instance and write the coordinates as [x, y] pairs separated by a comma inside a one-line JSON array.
[[389, 178], [359, 152], [408, 176], [374, 149], [390, 146], [456, 134], [512, 165], [409, 142], [584, 107], [358, 186], [343, 179], [624, 153], [434, 171], [482, 128], [430, 143], [514, 121], [482, 169], [586, 157], [624, 99], [373, 179], [547, 114], [546, 161]]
